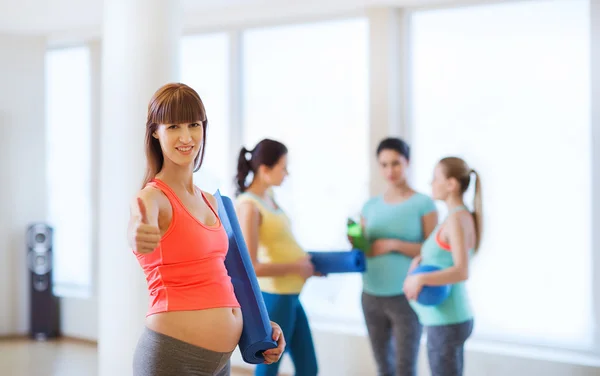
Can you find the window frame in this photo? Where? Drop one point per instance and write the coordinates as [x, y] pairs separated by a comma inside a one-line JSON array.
[[516, 347], [74, 289]]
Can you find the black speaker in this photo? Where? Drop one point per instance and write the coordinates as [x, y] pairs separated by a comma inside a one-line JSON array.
[[45, 309]]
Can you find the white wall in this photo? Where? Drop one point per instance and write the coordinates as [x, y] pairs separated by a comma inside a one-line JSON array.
[[22, 148], [79, 318]]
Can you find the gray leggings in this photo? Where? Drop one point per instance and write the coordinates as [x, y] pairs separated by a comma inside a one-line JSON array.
[[157, 354], [387, 317], [445, 348]]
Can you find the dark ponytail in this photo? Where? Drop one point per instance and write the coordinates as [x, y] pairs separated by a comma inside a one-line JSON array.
[[267, 152], [243, 169]]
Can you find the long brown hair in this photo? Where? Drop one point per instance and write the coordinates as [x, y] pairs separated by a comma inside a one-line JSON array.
[[173, 103], [458, 169]]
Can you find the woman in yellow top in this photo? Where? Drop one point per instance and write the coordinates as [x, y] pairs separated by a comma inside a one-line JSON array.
[[281, 265]]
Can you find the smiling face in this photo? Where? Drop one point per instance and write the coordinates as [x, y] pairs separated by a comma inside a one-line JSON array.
[[175, 129], [180, 143]]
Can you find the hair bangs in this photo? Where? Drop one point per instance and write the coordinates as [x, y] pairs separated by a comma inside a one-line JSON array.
[[177, 105]]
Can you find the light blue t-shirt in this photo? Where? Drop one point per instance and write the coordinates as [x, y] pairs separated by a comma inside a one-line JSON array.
[[385, 274], [456, 308]]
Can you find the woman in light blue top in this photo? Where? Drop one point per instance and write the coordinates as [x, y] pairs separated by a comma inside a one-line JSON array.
[[449, 247], [395, 223]]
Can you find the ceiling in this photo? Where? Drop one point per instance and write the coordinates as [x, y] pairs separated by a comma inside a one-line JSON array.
[[62, 17], [51, 16]]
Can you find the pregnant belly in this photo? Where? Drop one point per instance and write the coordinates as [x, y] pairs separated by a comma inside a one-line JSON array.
[[217, 329]]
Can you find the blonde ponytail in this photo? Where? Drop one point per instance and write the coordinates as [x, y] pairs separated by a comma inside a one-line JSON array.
[[477, 211]]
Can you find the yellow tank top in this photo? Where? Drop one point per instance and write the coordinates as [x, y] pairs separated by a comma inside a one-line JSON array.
[[277, 245]]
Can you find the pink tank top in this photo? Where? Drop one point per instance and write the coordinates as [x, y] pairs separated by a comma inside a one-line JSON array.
[[187, 271]]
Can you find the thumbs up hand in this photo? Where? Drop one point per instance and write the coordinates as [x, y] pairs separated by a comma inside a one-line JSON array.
[[146, 236]]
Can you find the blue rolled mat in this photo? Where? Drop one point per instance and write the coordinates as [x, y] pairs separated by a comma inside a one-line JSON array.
[[257, 332], [352, 261], [431, 295]]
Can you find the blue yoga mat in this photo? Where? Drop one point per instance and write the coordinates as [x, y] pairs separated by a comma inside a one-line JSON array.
[[352, 261], [257, 332]]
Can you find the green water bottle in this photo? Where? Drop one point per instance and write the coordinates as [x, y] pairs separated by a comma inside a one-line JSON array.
[[356, 235]]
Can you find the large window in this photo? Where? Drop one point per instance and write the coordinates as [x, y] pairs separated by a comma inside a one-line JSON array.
[[507, 87], [307, 86], [69, 172], [205, 67]]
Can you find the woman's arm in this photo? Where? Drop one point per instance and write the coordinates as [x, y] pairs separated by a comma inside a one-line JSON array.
[[249, 218], [413, 284], [383, 246], [460, 255], [143, 233]]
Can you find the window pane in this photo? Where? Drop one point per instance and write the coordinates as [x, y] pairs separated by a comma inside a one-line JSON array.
[[507, 87], [68, 164], [205, 67], [307, 86]]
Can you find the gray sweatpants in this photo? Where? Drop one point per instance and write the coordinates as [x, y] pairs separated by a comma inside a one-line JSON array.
[[445, 348], [157, 354], [394, 332]]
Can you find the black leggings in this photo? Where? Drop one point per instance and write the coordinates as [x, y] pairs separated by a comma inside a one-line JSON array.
[[445, 348]]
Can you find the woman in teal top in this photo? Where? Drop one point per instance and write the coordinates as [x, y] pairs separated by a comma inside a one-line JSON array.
[[395, 223], [449, 247]]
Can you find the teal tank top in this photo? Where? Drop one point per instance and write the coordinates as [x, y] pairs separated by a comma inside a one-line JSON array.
[[456, 308], [404, 221]]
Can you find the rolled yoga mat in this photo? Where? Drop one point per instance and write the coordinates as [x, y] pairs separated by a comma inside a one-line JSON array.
[[257, 332], [352, 261]]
